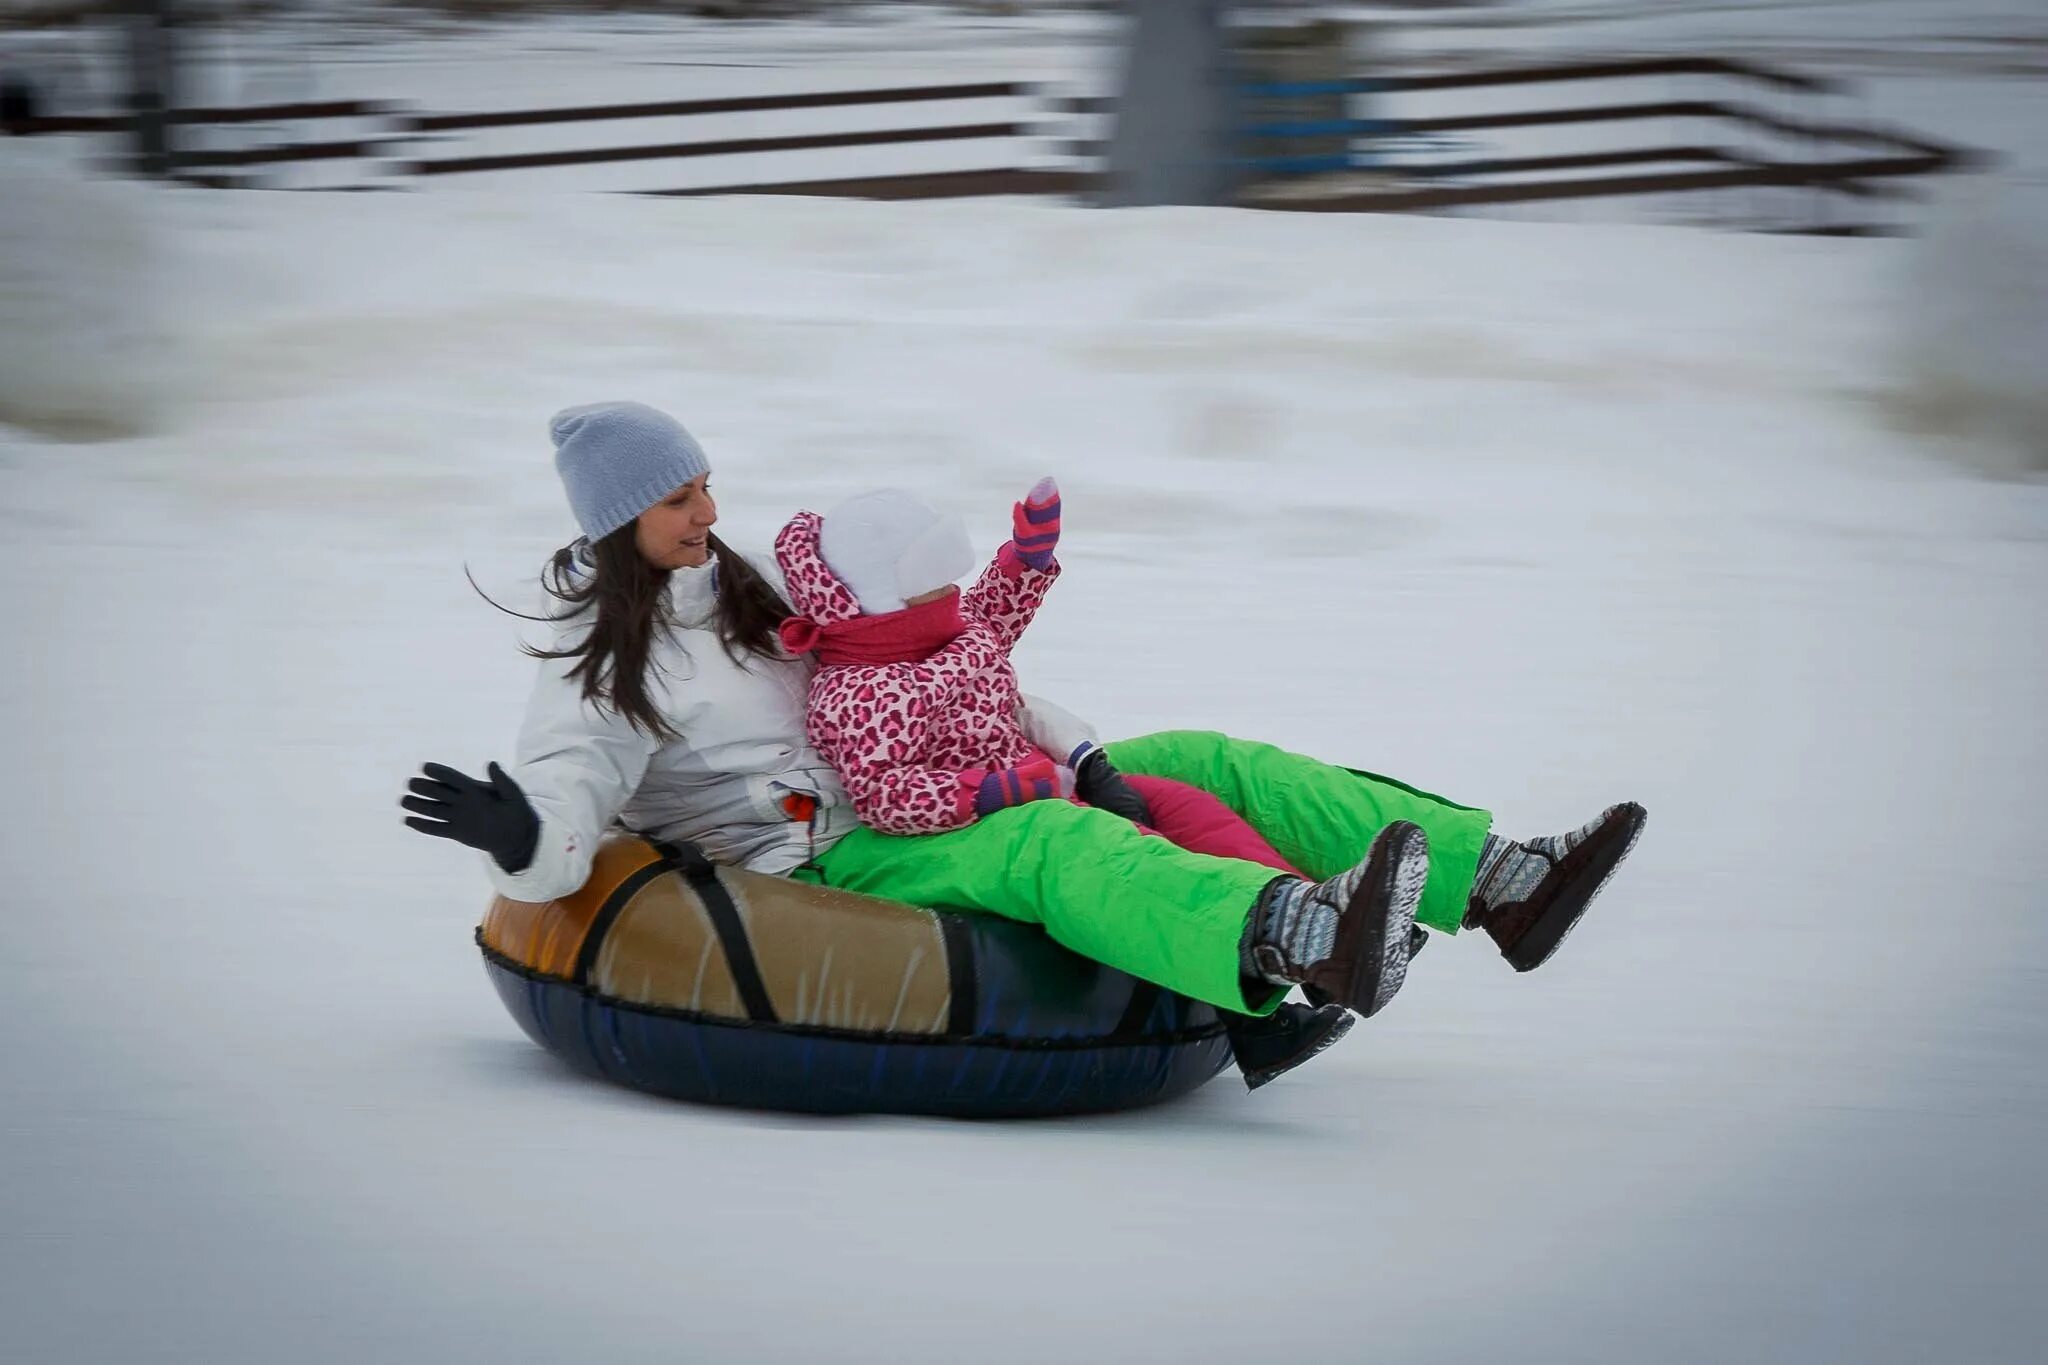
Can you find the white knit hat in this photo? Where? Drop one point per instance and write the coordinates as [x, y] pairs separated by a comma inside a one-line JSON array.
[[887, 546]]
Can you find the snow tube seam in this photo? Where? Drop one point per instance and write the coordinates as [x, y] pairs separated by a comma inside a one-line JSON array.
[[991, 1042], [835, 1076]]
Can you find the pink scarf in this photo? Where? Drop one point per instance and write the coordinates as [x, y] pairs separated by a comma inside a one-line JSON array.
[[909, 636]]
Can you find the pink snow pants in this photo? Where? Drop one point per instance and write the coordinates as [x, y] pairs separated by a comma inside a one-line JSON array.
[[1200, 823]]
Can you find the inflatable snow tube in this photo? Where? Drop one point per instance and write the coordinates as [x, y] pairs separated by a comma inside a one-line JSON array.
[[708, 983]]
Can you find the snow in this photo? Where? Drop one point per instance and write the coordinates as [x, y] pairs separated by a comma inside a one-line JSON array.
[[1539, 516], [82, 346], [1975, 354]]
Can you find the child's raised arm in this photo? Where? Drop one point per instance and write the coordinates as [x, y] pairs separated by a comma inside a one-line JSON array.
[[1008, 593]]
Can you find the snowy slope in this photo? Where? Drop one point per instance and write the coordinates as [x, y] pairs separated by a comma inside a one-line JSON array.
[[1536, 516]]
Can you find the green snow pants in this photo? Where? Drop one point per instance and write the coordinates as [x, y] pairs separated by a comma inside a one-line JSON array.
[[1317, 816], [1137, 902]]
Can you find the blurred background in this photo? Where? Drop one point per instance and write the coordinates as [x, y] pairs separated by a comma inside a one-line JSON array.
[[1549, 402]]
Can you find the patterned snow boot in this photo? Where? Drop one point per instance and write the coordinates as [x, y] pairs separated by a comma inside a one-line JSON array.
[[1269, 1048], [1348, 936], [1418, 939], [1527, 896]]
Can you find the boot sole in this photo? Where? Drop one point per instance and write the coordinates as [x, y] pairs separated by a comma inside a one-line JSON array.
[[1599, 857], [1323, 1041], [1372, 940], [1410, 875]]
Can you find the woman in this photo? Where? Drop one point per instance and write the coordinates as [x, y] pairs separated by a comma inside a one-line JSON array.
[[666, 706]]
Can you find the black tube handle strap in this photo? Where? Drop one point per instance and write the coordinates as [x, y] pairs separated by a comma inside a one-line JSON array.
[[702, 875]]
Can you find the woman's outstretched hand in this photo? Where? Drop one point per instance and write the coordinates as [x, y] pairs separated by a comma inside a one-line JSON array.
[[494, 816], [1035, 524]]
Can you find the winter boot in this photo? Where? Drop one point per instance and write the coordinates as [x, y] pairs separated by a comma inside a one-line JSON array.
[[1347, 936], [1269, 1048], [1418, 939], [1527, 896]]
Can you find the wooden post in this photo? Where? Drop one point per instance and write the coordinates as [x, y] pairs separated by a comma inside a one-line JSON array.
[[152, 84], [1174, 140]]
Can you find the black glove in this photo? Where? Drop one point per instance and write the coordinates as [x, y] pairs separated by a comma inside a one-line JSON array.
[[1102, 786], [494, 816]]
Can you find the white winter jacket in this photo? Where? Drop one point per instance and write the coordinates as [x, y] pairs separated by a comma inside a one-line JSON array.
[[739, 779]]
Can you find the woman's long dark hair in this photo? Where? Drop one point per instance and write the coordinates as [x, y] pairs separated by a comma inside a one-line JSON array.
[[629, 596]]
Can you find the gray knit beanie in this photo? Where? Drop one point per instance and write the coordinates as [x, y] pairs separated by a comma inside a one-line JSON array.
[[619, 459]]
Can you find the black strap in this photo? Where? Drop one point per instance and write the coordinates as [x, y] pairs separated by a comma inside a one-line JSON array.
[[1144, 998], [960, 976], [702, 875], [601, 926]]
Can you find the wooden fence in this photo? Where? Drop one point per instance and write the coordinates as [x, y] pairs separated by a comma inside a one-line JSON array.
[[1046, 153], [1852, 160]]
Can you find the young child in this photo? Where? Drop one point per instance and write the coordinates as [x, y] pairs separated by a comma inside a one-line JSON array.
[[915, 702]]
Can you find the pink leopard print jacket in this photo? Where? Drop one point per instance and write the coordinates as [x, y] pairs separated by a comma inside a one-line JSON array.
[[912, 740]]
